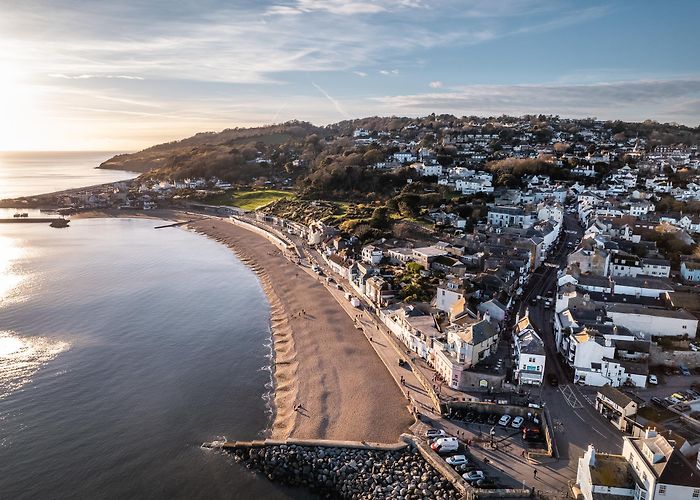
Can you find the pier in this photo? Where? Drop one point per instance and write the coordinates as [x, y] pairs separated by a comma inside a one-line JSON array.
[[31, 220]]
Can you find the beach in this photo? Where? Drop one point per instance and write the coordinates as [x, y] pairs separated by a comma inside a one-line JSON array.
[[321, 361]]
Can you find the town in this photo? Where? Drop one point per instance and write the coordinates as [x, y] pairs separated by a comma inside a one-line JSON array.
[[538, 276]]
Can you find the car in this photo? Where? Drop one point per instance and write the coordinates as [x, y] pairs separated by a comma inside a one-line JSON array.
[[457, 460], [653, 380], [533, 301], [434, 433], [548, 304], [517, 422], [474, 475], [678, 396], [685, 371], [553, 380], [339, 286], [445, 445], [465, 467], [504, 420]]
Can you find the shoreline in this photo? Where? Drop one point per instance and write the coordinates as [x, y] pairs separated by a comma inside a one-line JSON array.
[[319, 359], [337, 407], [283, 365]]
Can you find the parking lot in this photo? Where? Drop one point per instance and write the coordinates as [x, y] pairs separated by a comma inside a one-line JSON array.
[[487, 440]]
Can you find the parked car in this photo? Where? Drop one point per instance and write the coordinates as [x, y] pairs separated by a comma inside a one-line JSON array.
[[474, 475], [445, 445], [435, 433], [653, 380], [492, 419], [684, 370], [456, 460], [517, 422], [465, 467], [553, 380], [504, 420]]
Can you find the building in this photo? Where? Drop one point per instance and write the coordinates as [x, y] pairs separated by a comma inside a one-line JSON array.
[[660, 471], [530, 356], [690, 269], [616, 406], [653, 321], [372, 255], [426, 255], [501, 216], [604, 477], [448, 294]]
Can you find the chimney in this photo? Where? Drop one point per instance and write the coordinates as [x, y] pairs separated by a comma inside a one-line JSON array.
[[650, 432]]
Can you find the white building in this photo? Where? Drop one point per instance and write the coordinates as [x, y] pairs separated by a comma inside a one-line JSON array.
[[372, 255], [653, 321], [530, 356], [660, 471]]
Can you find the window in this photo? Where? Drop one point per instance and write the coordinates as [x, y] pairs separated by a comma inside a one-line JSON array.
[[662, 489], [696, 493]]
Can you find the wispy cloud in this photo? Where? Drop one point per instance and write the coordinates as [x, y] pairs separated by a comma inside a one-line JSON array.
[[633, 100], [89, 77], [335, 102], [361, 74], [437, 84], [387, 72]]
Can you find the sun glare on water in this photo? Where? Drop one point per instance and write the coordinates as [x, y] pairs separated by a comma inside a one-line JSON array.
[[10, 252], [22, 357]]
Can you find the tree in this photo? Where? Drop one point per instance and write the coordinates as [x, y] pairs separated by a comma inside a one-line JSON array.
[[380, 219]]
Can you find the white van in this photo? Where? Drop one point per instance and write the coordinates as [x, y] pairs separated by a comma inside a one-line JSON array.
[[445, 445]]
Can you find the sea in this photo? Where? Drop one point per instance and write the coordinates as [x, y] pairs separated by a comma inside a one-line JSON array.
[[28, 173], [122, 349]]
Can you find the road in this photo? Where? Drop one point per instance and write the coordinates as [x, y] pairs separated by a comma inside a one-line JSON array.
[[577, 424]]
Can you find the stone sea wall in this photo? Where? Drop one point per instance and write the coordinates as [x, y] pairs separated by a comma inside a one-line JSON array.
[[339, 472]]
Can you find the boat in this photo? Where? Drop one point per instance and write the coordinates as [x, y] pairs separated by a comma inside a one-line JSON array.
[[59, 223]]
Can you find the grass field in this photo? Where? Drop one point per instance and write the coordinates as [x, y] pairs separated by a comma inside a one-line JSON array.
[[250, 200]]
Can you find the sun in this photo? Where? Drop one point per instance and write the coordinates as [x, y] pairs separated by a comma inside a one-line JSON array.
[[16, 107]]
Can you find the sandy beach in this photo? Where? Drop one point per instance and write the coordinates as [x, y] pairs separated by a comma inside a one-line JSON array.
[[322, 362]]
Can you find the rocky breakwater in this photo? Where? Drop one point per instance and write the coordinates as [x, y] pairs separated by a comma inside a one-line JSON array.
[[349, 473]]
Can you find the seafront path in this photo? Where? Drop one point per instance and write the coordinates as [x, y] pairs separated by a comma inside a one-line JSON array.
[[506, 464]]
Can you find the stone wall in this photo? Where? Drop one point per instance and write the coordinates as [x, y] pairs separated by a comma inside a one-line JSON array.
[[350, 470]]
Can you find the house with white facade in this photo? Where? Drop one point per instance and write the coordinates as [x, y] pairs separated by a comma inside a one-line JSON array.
[[501, 216], [530, 356], [660, 470]]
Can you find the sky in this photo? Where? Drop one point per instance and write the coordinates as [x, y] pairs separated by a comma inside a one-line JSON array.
[[120, 76]]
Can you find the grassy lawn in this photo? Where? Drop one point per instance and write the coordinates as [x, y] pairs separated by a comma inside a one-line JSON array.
[[250, 200]]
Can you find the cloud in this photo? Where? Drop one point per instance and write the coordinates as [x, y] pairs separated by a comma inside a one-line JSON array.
[[361, 74], [343, 7], [632, 100], [88, 77], [333, 101], [387, 72], [437, 84]]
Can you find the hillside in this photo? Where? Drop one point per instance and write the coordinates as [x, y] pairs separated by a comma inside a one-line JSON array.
[[229, 146]]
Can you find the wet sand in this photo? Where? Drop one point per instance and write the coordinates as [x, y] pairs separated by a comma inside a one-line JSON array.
[[321, 361]]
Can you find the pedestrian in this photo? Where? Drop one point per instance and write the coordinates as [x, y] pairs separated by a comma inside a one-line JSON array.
[[371, 340], [534, 473], [522, 453]]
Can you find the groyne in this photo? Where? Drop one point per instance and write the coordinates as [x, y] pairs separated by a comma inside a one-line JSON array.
[[348, 469]]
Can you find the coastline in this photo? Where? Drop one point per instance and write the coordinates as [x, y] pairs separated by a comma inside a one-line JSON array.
[[320, 361]]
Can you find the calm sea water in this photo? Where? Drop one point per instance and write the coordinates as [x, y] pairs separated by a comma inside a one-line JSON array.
[[27, 173], [122, 348]]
